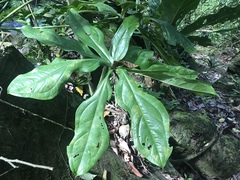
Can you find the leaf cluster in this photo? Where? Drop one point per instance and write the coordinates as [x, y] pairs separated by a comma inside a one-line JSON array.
[[156, 23]]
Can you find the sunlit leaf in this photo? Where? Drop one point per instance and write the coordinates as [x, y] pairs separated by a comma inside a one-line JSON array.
[[104, 8], [50, 38], [179, 77], [91, 136], [149, 120], [45, 82], [88, 34], [175, 71], [121, 38], [152, 67]]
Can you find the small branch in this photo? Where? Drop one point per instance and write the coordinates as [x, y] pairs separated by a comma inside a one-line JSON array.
[[11, 161], [6, 172]]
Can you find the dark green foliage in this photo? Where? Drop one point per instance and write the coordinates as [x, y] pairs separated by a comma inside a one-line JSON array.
[[158, 26]]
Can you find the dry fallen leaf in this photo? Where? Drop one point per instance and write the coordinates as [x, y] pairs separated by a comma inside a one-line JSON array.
[[106, 113], [123, 146], [236, 108], [124, 131], [79, 89], [113, 146], [104, 174], [126, 157]]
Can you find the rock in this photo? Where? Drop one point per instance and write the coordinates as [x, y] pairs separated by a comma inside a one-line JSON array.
[[221, 160], [28, 137], [197, 141], [234, 65], [190, 132], [12, 63]]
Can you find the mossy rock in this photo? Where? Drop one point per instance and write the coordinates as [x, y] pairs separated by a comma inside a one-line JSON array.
[[234, 65], [222, 159], [190, 131]]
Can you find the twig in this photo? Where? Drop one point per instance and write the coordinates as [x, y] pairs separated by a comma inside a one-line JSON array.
[[11, 161], [6, 172]]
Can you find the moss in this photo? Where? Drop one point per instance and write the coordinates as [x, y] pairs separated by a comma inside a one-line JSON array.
[[222, 159], [190, 132]]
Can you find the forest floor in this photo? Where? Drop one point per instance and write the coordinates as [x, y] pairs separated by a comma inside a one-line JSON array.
[[214, 67], [224, 111]]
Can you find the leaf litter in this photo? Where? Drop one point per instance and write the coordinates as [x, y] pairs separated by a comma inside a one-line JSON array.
[[224, 111], [121, 139]]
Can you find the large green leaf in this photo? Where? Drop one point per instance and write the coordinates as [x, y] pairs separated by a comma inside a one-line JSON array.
[[163, 69], [139, 56], [175, 71], [174, 10], [154, 6], [179, 77], [50, 38], [91, 137], [149, 120], [45, 82], [173, 37], [104, 8], [88, 34], [201, 40], [157, 42], [223, 15], [121, 38]]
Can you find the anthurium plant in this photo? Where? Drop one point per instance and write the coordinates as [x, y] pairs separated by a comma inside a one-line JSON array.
[[149, 118]]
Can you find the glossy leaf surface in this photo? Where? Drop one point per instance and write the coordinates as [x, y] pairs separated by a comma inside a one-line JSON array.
[[50, 38], [88, 34], [45, 82], [178, 76], [121, 38], [104, 8], [91, 136], [175, 71], [149, 120]]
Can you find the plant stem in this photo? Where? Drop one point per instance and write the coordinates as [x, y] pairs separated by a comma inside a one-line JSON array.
[[104, 70]]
